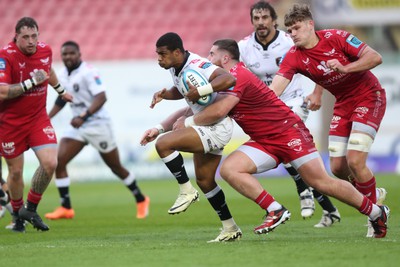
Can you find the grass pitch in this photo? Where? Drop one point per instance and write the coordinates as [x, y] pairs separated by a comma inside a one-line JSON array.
[[105, 231]]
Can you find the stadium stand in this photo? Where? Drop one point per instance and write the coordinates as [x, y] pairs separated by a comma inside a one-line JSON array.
[[128, 29]]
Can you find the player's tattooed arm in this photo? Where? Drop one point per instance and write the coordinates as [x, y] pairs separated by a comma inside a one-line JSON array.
[[15, 90]]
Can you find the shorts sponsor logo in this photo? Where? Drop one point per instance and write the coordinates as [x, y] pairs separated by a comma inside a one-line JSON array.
[[296, 145], [49, 131], [361, 111], [8, 148]]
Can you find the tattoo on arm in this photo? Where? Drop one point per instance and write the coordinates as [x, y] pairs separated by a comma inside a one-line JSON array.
[[15, 90], [39, 76]]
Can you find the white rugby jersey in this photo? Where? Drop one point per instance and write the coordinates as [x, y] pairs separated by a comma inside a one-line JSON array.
[[265, 63], [83, 84], [201, 65]]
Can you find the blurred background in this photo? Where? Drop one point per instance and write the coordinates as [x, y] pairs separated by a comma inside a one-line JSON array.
[[118, 37]]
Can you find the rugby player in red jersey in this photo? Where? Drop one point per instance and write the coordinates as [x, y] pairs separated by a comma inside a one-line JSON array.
[[340, 63], [25, 72], [277, 135]]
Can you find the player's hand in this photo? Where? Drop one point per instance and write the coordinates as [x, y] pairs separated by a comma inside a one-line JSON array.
[[77, 122], [192, 95], [179, 124], [149, 136], [157, 97], [313, 101], [335, 65], [39, 76], [67, 97]]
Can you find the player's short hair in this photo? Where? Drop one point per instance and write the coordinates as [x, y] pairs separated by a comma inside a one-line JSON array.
[[26, 21], [263, 5], [71, 43], [230, 46], [172, 41], [297, 13]]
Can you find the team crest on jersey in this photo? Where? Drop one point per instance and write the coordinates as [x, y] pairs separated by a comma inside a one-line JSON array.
[[75, 86], [205, 65], [278, 60], [295, 144], [2, 64], [353, 41], [322, 66], [8, 148]]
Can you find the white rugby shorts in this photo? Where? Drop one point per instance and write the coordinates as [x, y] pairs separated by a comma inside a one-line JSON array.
[[215, 137], [98, 133]]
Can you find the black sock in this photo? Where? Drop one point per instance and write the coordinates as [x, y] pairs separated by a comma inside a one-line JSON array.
[[177, 168], [65, 199], [324, 201], [216, 197], [136, 191], [300, 184]]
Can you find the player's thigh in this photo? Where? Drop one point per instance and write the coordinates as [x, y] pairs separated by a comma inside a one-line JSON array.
[[186, 140], [68, 149]]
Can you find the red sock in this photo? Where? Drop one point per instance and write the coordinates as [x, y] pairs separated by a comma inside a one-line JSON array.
[[34, 197], [368, 189], [16, 204], [264, 200], [366, 206]]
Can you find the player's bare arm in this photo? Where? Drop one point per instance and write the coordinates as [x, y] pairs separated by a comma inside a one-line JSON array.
[[165, 126], [219, 80], [53, 81], [170, 94], [368, 59], [97, 103], [279, 84], [217, 110], [314, 100], [15, 90]]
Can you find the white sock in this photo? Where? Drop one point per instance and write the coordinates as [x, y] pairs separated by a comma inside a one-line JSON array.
[[186, 187], [274, 206]]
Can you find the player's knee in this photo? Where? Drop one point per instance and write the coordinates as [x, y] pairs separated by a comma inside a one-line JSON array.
[[360, 142], [337, 149]]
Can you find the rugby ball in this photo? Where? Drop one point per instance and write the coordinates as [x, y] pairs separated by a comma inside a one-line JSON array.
[[196, 79]]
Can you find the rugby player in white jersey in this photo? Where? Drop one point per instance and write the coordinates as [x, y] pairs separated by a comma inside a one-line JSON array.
[[205, 142], [91, 124], [262, 52]]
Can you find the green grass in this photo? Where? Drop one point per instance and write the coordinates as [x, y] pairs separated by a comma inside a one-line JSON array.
[[106, 233]]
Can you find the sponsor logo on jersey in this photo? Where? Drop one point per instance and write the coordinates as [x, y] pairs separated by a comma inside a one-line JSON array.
[[49, 131], [45, 61], [353, 41], [2, 64], [22, 65], [307, 61], [295, 144], [205, 65], [97, 80], [330, 53], [8, 148]]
